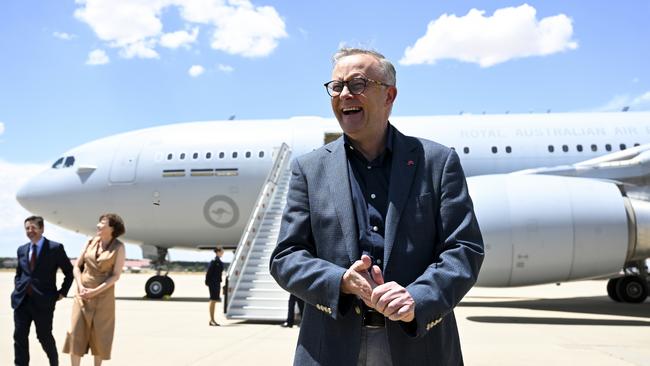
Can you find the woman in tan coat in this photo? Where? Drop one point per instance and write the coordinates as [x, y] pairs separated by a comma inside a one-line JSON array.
[[93, 312]]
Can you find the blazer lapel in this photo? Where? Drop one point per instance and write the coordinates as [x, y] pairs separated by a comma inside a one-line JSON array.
[[403, 167], [24, 259], [338, 181]]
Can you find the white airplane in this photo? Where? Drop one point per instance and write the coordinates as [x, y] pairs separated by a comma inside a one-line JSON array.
[[559, 197]]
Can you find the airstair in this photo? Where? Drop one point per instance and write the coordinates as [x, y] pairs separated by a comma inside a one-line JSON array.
[[251, 292]]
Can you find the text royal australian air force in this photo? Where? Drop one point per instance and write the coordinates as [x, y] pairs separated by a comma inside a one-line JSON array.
[[537, 132]]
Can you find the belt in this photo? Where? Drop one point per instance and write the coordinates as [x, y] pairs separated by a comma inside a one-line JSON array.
[[373, 319]]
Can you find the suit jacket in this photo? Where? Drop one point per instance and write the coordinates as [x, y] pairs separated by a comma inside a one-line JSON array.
[[215, 270], [43, 278], [432, 247]]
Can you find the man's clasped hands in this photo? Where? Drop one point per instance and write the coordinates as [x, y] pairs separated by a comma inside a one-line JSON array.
[[367, 282]]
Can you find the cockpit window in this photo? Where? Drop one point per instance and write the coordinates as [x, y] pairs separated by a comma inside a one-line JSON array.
[[69, 161], [57, 164]]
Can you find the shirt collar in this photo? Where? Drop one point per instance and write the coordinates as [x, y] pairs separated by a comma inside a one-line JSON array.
[[39, 243], [389, 139]]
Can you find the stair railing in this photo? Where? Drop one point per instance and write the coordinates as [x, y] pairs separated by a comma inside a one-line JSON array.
[[245, 245]]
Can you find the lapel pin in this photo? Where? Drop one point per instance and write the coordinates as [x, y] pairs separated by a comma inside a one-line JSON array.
[[410, 163]]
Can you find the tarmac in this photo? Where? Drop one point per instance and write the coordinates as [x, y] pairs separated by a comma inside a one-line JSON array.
[[575, 323]]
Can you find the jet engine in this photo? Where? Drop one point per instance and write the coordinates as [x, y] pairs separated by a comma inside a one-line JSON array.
[[543, 228]]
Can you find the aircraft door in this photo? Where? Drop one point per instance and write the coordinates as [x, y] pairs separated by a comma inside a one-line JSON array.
[[125, 163]]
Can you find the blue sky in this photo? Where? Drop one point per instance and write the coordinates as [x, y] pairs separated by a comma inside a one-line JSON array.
[[73, 71]]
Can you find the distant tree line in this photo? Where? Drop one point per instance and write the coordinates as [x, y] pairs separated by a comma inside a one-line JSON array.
[[174, 266]]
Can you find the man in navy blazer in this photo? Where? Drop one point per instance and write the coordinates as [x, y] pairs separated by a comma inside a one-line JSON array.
[[35, 293], [379, 236]]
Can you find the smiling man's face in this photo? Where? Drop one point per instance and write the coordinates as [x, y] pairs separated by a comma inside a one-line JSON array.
[[365, 115]]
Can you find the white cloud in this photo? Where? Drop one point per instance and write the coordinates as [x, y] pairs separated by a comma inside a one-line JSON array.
[[248, 31], [196, 70], [97, 57], [510, 33], [140, 49], [225, 68], [121, 22], [2, 128], [178, 39], [64, 36], [618, 102], [136, 28]]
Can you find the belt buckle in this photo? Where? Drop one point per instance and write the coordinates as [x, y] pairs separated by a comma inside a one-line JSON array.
[[373, 319]]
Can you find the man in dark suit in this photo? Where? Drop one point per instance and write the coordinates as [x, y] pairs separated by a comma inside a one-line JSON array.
[[35, 294], [379, 236]]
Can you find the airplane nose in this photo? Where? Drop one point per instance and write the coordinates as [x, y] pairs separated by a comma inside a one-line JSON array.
[[43, 193], [28, 195], [61, 197]]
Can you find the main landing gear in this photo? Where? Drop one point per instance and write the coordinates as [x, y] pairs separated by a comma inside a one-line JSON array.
[[632, 287], [160, 285]]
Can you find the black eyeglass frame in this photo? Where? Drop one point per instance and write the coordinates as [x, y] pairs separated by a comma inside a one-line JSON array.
[[347, 83]]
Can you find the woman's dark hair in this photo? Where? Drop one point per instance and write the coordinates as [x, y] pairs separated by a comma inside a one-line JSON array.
[[116, 222]]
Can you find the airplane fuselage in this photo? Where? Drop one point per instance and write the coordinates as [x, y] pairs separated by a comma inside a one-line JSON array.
[[194, 184]]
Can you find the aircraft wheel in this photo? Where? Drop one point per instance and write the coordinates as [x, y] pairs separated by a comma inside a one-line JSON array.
[[611, 289], [168, 286], [155, 287], [633, 289]]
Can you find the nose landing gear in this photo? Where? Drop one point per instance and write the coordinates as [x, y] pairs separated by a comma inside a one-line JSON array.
[[159, 285]]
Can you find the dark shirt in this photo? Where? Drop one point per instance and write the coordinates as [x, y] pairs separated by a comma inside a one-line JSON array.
[[370, 181]]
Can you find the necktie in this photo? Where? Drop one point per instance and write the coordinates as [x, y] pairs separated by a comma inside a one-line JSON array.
[[32, 264], [32, 259]]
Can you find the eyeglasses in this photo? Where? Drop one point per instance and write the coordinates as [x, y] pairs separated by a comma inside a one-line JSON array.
[[356, 86]]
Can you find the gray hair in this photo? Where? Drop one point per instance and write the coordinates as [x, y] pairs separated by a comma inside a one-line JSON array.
[[385, 66]]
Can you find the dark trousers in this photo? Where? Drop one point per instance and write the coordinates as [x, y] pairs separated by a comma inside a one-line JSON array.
[[292, 305], [375, 349], [42, 316]]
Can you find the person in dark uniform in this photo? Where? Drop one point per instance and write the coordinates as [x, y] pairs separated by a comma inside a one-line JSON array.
[[213, 281], [35, 294], [291, 313]]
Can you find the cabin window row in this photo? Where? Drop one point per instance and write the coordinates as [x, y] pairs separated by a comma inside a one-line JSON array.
[[592, 147], [494, 149], [209, 155]]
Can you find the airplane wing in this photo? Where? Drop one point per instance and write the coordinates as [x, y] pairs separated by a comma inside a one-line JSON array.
[[630, 167]]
